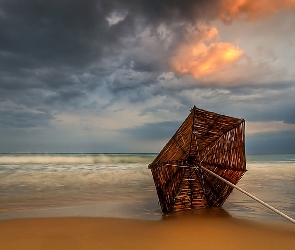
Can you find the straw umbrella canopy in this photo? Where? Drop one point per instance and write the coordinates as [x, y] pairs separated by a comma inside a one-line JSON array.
[[205, 140]]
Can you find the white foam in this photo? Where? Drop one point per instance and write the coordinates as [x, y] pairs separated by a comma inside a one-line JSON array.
[[74, 158]]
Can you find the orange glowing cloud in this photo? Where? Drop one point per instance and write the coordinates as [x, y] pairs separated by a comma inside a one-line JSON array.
[[203, 55], [199, 59], [251, 9]]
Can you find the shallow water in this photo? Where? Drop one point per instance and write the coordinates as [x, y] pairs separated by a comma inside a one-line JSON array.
[[271, 179], [121, 185]]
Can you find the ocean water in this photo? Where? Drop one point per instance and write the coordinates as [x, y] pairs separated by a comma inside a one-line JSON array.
[[121, 185]]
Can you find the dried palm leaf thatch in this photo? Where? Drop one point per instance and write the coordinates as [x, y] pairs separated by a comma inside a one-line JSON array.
[[207, 139]]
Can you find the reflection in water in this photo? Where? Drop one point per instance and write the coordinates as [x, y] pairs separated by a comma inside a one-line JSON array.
[[273, 182], [214, 212]]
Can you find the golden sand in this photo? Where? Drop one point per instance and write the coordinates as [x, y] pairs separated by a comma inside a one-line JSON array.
[[181, 232]]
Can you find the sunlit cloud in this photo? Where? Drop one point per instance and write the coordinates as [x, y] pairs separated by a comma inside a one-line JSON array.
[[101, 70], [204, 54], [208, 59], [265, 127], [251, 9]]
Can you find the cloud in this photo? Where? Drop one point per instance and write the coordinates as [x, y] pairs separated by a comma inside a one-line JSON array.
[[17, 116], [159, 131], [281, 142], [115, 17], [199, 59], [250, 10], [265, 102], [74, 38], [209, 60], [51, 33], [125, 67], [266, 127]]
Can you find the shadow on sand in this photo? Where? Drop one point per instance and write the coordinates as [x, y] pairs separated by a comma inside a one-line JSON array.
[[194, 214]]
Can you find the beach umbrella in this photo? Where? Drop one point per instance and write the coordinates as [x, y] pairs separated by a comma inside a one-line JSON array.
[[206, 146]]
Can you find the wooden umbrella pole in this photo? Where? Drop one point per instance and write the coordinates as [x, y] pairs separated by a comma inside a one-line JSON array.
[[248, 194]]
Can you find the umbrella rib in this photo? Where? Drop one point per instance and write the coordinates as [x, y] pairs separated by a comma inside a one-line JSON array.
[[168, 146], [172, 177], [204, 198], [227, 168], [190, 146], [180, 146], [217, 140], [181, 186], [191, 187], [179, 162], [226, 131], [185, 183], [211, 148], [208, 154], [211, 188], [201, 176], [164, 187], [168, 182], [225, 151], [203, 138], [211, 126]]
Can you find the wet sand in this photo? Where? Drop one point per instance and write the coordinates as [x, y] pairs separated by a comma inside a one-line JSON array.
[[181, 232]]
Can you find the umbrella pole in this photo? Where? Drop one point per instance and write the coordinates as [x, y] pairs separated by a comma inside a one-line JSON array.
[[250, 195]]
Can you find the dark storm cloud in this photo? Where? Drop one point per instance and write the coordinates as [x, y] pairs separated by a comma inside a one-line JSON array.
[[38, 33], [46, 44], [271, 143], [271, 102], [153, 131], [67, 55], [76, 32], [43, 45], [53, 32], [71, 36], [173, 10], [65, 97], [24, 119]]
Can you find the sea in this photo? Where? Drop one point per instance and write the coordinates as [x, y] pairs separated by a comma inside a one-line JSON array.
[[121, 185]]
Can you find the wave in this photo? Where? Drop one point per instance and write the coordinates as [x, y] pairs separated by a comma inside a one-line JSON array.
[[116, 158], [75, 158], [283, 158]]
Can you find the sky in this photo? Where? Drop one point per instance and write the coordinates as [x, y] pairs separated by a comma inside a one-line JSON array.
[[116, 76]]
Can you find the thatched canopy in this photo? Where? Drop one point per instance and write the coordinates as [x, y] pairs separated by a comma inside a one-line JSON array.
[[206, 139]]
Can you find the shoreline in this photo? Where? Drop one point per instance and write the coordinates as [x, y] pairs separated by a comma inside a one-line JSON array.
[[213, 230]]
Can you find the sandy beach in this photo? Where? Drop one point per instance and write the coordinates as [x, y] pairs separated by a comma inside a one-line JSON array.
[[187, 231], [49, 203]]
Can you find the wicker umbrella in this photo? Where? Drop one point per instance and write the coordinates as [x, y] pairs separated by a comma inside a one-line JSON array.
[[205, 141]]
